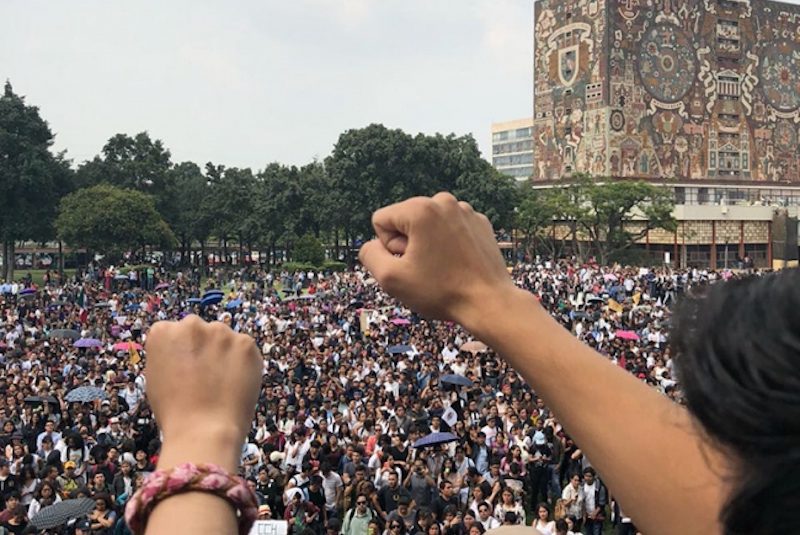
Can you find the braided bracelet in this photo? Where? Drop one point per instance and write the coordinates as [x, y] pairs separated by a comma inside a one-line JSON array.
[[189, 477]]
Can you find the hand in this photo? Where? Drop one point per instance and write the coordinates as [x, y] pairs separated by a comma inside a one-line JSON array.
[[202, 384], [450, 266]]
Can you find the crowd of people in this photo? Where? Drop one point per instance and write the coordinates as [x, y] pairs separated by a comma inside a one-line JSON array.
[[351, 381]]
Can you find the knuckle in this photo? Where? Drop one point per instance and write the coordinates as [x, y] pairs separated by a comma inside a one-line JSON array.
[[445, 197], [465, 206]]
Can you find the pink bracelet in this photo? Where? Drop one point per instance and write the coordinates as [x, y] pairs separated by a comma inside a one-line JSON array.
[[190, 477]]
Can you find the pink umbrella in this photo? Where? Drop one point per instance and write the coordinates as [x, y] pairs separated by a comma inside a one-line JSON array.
[[626, 335], [610, 277], [400, 321], [126, 346]]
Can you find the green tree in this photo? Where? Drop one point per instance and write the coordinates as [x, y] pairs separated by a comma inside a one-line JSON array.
[[375, 166], [609, 208], [538, 210], [111, 220], [190, 220], [309, 249], [32, 179], [140, 163]]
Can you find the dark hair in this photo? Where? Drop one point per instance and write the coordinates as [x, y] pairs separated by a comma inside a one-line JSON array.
[[736, 353]]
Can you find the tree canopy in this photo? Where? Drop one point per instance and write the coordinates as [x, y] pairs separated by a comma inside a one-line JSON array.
[[32, 178], [111, 219]]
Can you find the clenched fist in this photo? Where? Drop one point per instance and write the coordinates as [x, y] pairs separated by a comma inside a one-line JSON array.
[[202, 383], [439, 257]]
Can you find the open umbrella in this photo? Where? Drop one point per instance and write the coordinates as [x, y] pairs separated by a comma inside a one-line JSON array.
[[60, 513], [72, 334], [307, 297], [102, 304], [194, 300], [398, 349], [435, 439], [133, 307], [85, 394], [453, 379], [88, 342], [213, 292], [162, 286], [626, 335], [56, 304], [474, 346], [355, 303], [595, 299], [126, 346], [27, 291], [231, 305], [41, 400], [400, 321], [209, 300], [610, 277], [121, 277]]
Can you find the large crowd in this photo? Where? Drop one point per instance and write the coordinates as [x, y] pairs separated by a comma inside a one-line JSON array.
[[351, 382]]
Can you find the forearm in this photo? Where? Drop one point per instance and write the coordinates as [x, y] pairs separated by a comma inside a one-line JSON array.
[[610, 414]]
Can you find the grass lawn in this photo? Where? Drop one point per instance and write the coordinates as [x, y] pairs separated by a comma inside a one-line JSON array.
[[38, 274]]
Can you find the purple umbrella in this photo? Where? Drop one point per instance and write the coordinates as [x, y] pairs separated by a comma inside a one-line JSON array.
[[434, 439], [27, 291], [400, 321], [88, 342], [162, 286]]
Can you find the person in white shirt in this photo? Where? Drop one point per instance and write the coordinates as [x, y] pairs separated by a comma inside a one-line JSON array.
[[485, 516]]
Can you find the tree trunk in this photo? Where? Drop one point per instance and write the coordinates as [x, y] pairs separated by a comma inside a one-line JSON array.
[[225, 250], [11, 260], [336, 243], [61, 261], [241, 252], [203, 259]]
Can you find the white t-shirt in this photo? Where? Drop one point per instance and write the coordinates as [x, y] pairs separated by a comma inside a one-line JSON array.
[[588, 493], [331, 485]]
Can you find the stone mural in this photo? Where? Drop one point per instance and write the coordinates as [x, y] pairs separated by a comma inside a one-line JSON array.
[[676, 89]]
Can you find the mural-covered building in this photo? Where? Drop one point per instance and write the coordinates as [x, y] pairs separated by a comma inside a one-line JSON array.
[[703, 93]]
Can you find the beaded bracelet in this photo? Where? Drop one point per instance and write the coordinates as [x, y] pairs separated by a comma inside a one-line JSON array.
[[188, 477]]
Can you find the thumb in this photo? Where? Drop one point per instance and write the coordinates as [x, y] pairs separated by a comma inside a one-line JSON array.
[[379, 261]]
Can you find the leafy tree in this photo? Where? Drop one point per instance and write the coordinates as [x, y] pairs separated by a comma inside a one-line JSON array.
[[609, 206], [111, 220], [375, 166], [189, 219], [32, 179], [140, 163], [536, 213], [309, 249]]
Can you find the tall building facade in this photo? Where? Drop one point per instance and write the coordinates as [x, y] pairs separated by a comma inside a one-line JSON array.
[[702, 94], [512, 148]]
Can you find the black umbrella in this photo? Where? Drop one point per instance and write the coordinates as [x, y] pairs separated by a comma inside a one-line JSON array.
[[35, 400], [458, 380], [60, 513], [72, 334]]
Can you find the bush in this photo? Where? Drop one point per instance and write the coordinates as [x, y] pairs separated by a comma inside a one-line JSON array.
[[334, 265], [310, 250], [292, 267]]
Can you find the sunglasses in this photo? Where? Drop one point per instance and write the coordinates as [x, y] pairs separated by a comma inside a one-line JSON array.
[[361, 503], [394, 526]]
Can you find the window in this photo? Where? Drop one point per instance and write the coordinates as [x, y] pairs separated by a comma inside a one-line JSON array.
[[680, 195], [523, 132], [702, 196]]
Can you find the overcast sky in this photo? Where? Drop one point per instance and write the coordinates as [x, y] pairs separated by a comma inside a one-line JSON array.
[[249, 82]]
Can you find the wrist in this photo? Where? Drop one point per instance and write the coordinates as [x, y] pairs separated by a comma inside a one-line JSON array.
[[216, 445], [490, 312]]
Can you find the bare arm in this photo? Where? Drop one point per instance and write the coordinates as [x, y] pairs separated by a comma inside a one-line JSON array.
[[440, 258], [620, 423]]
